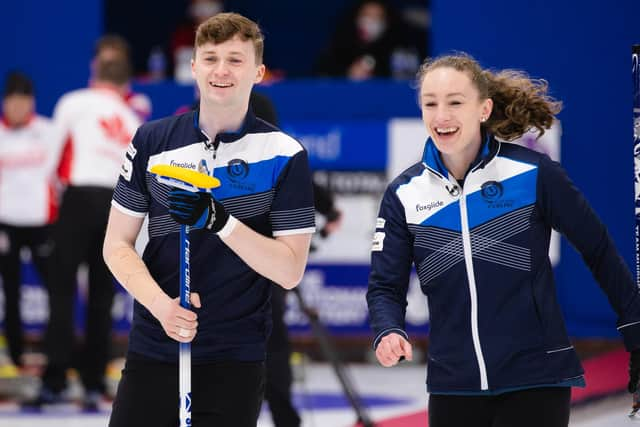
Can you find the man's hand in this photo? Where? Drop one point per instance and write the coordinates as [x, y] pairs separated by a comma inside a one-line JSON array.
[[392, 348], [199, 210], [178, 322]]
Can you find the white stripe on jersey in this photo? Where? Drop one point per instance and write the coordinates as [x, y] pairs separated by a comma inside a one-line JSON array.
[[253, 147]]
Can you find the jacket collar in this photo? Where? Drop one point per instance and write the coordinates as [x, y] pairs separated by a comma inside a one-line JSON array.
[[433, 161], [247, 125]]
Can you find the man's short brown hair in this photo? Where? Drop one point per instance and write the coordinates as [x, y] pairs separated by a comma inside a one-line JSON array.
[[114, 42], [224, 26], [112, 61], [116, 71]]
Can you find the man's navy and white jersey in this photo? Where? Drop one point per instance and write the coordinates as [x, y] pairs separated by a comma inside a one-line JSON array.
[[481, 255], [265, 183]]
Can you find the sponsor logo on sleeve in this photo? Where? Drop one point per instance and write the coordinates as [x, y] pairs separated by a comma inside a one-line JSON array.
[[378, 241], [126, 169], [131, 151]]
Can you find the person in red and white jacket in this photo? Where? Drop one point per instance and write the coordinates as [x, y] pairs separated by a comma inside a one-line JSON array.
[[29, 147], [113, 46], [98, 125]]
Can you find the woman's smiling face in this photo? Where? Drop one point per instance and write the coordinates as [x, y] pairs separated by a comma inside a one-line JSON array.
[[452, 111]]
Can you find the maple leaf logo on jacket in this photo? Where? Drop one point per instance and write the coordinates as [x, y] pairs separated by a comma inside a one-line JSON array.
[[115, 130]]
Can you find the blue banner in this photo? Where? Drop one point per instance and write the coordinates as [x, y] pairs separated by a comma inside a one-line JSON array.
[[333, 145]]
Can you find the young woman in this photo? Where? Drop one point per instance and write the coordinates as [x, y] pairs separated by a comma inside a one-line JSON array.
[[474, 217]]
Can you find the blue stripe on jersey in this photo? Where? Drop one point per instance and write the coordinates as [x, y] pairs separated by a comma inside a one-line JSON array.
[[516, 192], [260, 177], [447, 218], [483, 206]]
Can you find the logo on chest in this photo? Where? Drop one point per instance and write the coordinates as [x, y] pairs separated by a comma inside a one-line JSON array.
[[238, 171], [492, 192]]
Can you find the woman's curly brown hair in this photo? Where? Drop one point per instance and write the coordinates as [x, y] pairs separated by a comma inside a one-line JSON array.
[[519, 102]]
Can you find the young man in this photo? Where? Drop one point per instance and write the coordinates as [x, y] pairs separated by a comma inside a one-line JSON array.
[[254, 230]]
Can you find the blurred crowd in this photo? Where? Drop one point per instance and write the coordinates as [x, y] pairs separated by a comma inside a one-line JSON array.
[[56, 181], [372, 39]]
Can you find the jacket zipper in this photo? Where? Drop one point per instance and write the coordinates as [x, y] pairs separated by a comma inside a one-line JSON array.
[[473, 293], [214, 155]]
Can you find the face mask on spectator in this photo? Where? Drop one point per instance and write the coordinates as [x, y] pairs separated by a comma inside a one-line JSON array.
[[371, 29]]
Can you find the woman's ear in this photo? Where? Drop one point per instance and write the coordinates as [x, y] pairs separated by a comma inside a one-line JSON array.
[[487, 108]]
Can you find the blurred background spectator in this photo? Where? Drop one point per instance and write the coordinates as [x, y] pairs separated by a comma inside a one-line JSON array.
[[374, 41], [183, 37], [113, 47], [158, 45], [29, 149], [97, 125]]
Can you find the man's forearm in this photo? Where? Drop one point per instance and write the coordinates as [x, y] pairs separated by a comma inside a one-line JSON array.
[[273, 259], [131, 272]]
